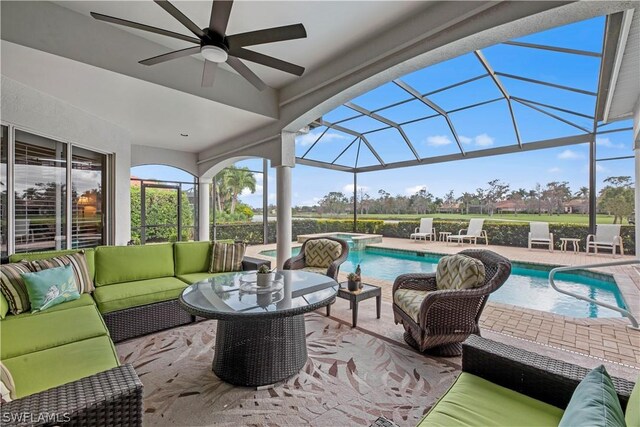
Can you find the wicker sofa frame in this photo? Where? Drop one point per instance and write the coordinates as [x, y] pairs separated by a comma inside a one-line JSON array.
[[298, 262], [448, 317]]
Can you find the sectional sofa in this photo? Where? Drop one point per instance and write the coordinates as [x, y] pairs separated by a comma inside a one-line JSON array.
[[63, 360]]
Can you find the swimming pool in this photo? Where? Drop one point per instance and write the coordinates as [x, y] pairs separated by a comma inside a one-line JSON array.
[[528, 285]]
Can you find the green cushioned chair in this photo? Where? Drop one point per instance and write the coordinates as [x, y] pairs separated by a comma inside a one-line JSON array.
[[46, 369], [138, 293], [28, 333]]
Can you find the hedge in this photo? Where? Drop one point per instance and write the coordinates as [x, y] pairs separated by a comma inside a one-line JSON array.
[[500, 233]]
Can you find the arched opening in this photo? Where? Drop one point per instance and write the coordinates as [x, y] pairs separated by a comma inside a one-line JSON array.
[[164, 204]]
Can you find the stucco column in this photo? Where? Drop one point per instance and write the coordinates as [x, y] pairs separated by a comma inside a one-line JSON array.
[[283, 213], [637, 197], [204, 191]]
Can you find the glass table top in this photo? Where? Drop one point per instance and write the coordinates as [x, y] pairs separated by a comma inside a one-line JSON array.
[[230, 294]]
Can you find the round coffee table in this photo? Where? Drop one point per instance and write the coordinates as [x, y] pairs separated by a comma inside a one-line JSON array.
[[261, 337]]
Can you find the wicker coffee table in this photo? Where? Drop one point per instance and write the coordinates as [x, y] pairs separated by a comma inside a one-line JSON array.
[[260, 338]]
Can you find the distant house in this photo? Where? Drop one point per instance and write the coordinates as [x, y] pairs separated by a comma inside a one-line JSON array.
[[510, 206], [577, 206], [450, 208]]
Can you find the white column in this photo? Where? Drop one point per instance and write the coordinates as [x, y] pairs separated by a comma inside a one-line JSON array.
[[204, 190], [283, 213], [637, 197]]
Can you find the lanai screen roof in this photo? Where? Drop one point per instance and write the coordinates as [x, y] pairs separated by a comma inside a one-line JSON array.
[[538, 91]]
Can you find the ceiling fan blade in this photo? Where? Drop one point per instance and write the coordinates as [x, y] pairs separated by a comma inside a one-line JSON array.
[[269, 35], [171, 55], [173, 11], [245, 72], [143, 27], [220, 12], [209, 73], [269, 61]]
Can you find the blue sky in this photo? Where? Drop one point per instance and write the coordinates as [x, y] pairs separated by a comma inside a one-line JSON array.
[[478, 128]]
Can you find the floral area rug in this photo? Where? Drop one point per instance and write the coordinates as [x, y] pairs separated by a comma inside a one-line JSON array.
[[352, 377]]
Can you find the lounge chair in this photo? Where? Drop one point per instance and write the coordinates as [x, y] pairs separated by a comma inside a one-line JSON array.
[[539, 235], [472, 234], [425, 231], [608, 237]]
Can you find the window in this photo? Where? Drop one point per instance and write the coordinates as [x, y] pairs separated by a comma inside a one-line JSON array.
[[4, 182], [87, 200]]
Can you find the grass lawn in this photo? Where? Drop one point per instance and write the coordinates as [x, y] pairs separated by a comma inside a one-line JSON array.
[[564, 218]]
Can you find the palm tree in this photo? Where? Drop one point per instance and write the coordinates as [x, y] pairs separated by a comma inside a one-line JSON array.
[[237, 181]]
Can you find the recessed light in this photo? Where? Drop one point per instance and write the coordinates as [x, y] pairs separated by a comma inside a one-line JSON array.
[[184, 134]]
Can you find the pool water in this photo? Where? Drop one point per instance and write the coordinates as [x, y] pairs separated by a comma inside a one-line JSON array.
[[526, 287]]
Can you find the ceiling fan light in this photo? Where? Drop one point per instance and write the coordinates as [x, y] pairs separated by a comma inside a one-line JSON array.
[[214, 54]]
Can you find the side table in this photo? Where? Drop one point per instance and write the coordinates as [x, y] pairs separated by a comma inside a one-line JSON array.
[[575, 242], [444, 235], [367, 291]]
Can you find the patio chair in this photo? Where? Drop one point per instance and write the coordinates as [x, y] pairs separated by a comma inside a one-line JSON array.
[[23, 230], [425, 231], [322, 255], [438, 320], [472, 234], [607, 236], [539, 235]]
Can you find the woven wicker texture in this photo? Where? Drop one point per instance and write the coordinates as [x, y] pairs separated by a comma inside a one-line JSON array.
[[298, 262], [448, 317], [541, 377]]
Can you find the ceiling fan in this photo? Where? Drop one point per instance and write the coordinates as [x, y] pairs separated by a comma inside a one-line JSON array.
[[216, 46]]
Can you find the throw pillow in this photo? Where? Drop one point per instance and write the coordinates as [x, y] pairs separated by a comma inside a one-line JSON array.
[[50, 287], [78, 262], [632, 416], [321, 252], [459, 272], [226, 257], [13, 287], [4, 306], [7, 386], [594, 403]]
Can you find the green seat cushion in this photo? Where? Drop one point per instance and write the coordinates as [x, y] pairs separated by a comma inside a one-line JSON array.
[[28, 333], [196, 277], [632, 416], [134, 294], [34, 256], [410, 301], [192, 257], [594, 402], [319, 270], [84, 300], [45, 369], [474, 401], [119, 264]]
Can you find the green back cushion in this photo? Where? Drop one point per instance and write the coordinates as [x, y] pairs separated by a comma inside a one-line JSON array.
[[632, 416], [50, 287], [459, 272], [321, 252], [192, 257], [594, 402], [13, 287], [4, 306], [89, 254], [117, 264]]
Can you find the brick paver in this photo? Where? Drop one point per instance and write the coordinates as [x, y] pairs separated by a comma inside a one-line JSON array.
[[607, 338]]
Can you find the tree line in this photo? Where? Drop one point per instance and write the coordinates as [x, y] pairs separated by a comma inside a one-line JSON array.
[[616, 198]]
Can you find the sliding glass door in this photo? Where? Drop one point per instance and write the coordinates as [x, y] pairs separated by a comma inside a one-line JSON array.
[[87, 202]]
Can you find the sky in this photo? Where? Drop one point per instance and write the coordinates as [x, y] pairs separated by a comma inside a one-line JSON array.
[[481, 127]]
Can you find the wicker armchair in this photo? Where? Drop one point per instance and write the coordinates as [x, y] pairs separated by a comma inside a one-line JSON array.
[[298, 262], [448, 317]]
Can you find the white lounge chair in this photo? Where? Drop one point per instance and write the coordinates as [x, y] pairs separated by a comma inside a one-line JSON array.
[[472, 234], [539, 235], [425, 231], [23, 230], [607, 236]]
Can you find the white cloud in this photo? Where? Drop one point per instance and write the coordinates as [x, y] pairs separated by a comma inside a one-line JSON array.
[[413, 190], [484, 140], [311, 137], [570, 155], [606, 142], [439, 140], [247, 192], [554, 170], [600, 168], [312, 202], [465, 139], [348, 189]]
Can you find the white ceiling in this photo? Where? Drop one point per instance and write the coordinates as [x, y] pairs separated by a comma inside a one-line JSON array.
[[155, 115], [332, 26]]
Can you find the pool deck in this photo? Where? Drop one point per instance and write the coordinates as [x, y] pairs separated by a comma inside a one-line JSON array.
[[580, 340]]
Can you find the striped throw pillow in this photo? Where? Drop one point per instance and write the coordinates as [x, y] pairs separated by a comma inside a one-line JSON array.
[[226, 257], [7, 386], [13, 287], [459, 272], [78, 263]]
